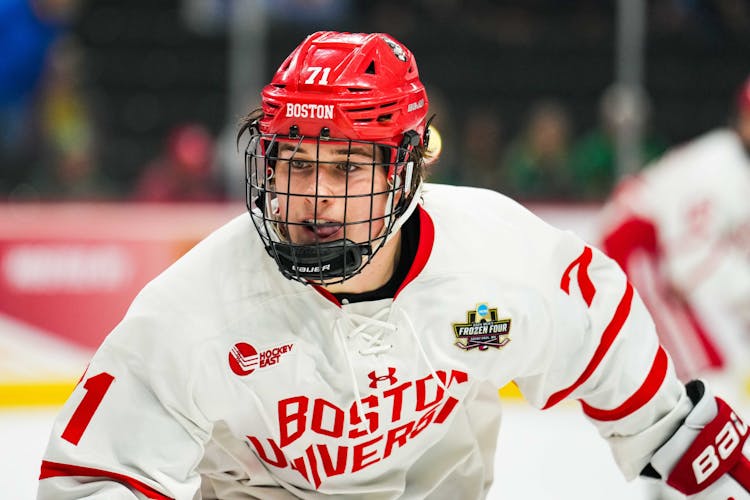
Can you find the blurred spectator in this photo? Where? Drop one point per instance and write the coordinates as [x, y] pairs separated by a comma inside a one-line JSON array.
[[67, 167], [482, 143], [594, 157], [536, 165], [28, 29], [184, 171]]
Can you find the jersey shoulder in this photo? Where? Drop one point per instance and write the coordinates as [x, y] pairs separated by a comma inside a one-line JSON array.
[[478, 208], [482, 231], [215, 285]]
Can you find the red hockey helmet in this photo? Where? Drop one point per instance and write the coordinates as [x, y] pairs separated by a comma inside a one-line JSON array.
[[359, 86], [356, 91]]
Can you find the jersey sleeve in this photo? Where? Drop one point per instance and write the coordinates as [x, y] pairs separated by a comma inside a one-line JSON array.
[[601, 349], [129, 429]]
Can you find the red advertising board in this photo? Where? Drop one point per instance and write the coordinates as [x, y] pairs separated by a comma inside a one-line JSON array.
[[72, 270]]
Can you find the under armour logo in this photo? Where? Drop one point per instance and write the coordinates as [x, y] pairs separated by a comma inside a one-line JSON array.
[[380, 378]]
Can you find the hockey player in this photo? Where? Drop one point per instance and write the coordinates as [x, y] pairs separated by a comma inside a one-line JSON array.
[[681, 231], [353, 347]]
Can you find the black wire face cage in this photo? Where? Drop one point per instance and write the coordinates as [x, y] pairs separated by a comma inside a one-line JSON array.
[[320, 217]]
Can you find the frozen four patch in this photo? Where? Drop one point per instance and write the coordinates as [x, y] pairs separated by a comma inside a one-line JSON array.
[[482, 329]]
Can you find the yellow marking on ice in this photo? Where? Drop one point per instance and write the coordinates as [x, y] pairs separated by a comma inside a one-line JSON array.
[[35, 393], [56, 393], [510, 391]]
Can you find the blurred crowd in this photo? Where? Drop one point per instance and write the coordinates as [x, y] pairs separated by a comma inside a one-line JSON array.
[[545, 159], [51, 133], [50, 143]]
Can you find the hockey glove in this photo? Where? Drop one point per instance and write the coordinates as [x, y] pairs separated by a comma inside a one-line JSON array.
[[704, 458]]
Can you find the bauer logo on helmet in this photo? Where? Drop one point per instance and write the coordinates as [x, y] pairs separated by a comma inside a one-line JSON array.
[[415, 106]]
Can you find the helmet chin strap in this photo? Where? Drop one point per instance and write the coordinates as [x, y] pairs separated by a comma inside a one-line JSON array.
[[319, 263], [331, 260]]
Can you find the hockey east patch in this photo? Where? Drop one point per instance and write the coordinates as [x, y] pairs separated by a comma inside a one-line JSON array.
[[244, 359]]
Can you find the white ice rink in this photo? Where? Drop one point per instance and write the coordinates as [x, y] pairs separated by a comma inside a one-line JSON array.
[[551, 455]]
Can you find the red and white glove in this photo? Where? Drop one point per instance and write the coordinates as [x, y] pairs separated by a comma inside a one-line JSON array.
[[707, 457]]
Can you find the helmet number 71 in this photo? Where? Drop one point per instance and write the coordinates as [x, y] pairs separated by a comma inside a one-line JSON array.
[[314, 71]]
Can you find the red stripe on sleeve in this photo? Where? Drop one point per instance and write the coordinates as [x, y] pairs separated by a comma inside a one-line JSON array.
[[608, 337], [643, 395], [54, 469]]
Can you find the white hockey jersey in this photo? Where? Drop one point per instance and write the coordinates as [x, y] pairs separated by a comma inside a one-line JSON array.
[[681, 230], [225, 380]]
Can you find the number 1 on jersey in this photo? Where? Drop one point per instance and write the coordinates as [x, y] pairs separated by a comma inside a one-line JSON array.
[[96, 387]]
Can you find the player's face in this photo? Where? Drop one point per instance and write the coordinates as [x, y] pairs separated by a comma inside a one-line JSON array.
[[334, 198]]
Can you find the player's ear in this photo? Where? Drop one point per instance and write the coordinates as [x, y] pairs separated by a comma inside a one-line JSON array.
[[432, 143]]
